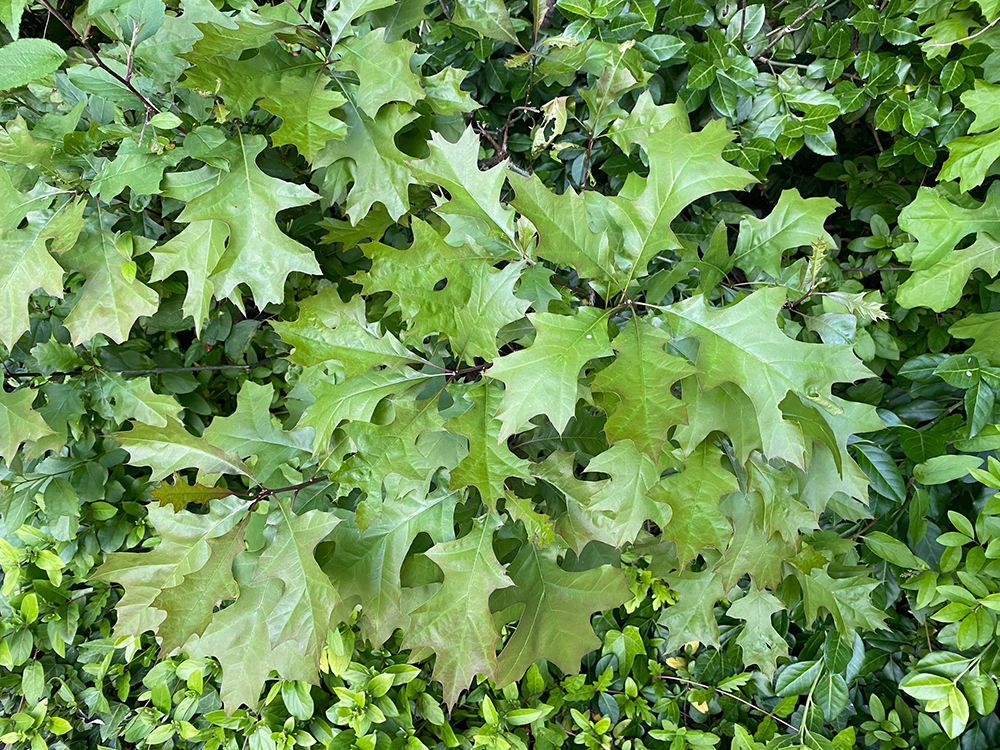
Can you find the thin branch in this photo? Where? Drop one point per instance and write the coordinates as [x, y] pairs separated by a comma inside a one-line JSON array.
[[875, 269], [143, 371], [97, 59], [130, 55], [787, 30], [726, 693]]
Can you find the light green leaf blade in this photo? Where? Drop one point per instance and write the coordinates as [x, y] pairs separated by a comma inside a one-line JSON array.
[[366, 566], [109, 303], [122, 400], [304, 103], [19, 423], [626, 498], [793, 222], [762, 645], [741, 344], [25, 265], [383, 69], [172, 448], [26, 60], [554, 623], [253, 431], [642, 377], [303, 614], [259, 254], [456, 621], [542, 379], [184, 550], [692, 617], [196, 251], [490, 462], [475, 194], [693, 497], [940, 286], [489, 17]]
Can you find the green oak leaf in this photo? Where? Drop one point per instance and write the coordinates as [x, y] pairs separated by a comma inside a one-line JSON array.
[[25, 265], [489, 17], [366, 566], [475, 303], [303, 614], [352, 400], [195, 251], [642, 376], [984, 330], [683, 167], [184, 550], [259, 254], [725, 409], [612, 240], [16, 205], [253, 431], [238, 638], [940, 286], [109, 303], [760, 642], [970, 158], [579, 525], [398, 453], [339, 18], [135, 166], [752, 550], [304, 104], [473, 209], [793, 222], [171, 448], [626, 498], [742, 344], [339, 332], [239, 81], [847, 599], [692, 618], [444, 93], [938, 224], [489, 463], [542, 379], [19, 423], [693, 496], [121, 400], [645, 119], [555, 608], [383, 69], [456, 621], [369, 157], [190, 604]]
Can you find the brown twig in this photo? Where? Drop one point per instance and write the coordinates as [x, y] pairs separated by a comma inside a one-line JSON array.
[[726, 693]]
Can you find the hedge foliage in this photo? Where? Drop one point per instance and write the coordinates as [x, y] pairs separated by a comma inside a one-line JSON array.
[[601, 373]]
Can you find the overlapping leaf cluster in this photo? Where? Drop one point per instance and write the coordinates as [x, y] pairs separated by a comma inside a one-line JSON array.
[[335, 338]]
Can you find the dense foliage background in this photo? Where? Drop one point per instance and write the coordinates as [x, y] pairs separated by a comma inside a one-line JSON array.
[[469, 373]]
